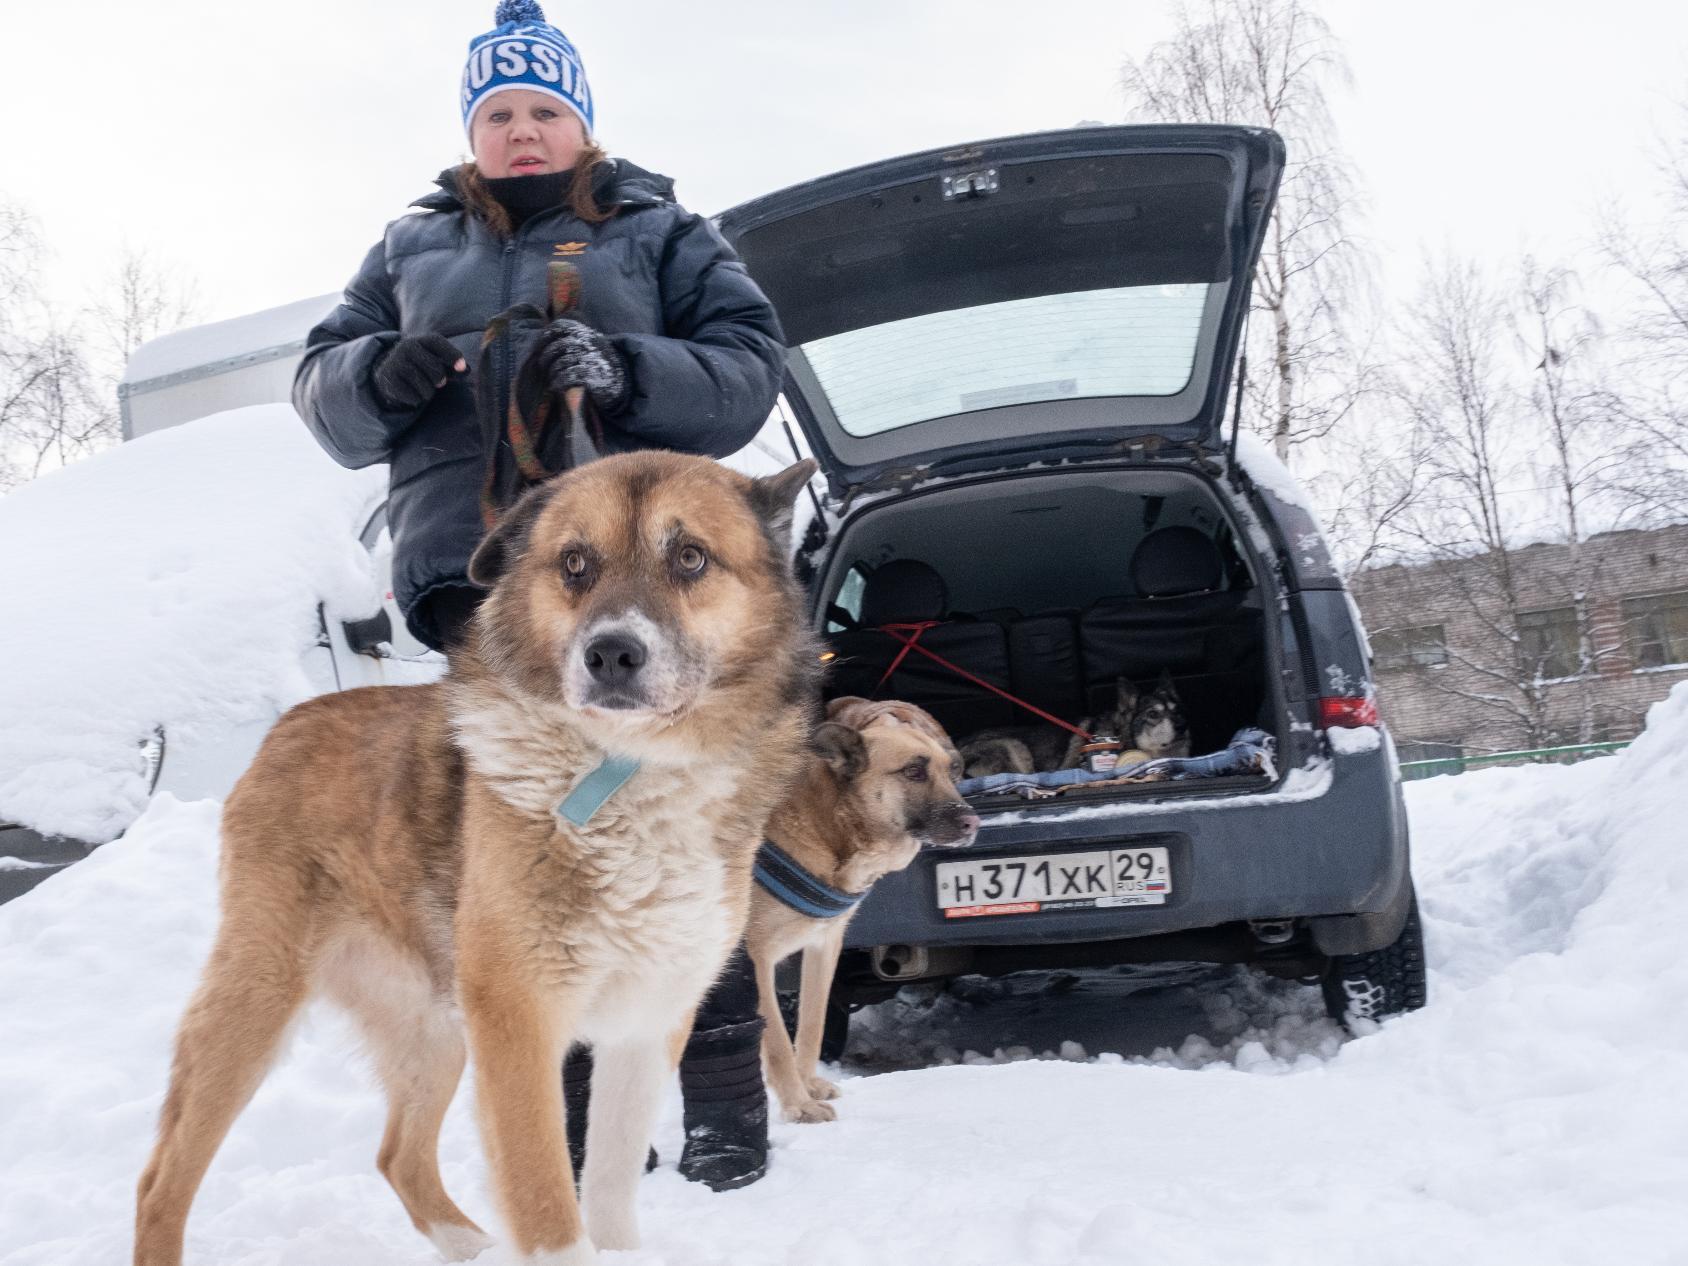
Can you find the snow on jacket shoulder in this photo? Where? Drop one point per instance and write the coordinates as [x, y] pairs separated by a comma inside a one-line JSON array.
[[701, 341]]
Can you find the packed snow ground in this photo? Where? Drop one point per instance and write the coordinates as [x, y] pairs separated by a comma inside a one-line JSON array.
[[1531, 1114]]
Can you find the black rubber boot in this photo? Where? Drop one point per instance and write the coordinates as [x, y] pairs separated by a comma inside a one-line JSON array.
[[577, 1100], [726, 1106]]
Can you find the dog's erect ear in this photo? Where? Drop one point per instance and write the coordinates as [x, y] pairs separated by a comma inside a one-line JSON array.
[[842, 748], [501, 547], [1127, 695], [1164, 684], [774, 495]]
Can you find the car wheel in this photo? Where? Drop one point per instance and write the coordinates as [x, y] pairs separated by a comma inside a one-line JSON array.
[[1385, 982]]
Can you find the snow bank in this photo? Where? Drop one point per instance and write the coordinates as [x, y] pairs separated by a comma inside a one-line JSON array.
[[173, 581], [1531, 1114]]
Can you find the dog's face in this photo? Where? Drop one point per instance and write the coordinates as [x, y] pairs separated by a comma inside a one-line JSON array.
[[640, 589], [1157, 721], [1118, 721], [901, 780]]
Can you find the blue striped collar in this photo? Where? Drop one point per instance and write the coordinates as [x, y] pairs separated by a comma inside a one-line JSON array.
[[788, 882]]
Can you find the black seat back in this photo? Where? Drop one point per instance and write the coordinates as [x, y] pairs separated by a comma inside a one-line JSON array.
[[1043, 659], [1183, 623], [907, 591]]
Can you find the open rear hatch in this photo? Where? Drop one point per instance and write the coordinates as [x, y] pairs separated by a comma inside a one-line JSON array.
[[1053, 296]]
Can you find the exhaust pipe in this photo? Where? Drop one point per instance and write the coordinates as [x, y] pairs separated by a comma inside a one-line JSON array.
[[903, 963]]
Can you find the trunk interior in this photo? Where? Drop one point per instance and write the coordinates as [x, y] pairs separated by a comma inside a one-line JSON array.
[[1054, 587]]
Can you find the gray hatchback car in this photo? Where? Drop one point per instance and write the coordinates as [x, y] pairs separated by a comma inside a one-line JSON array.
[[1013, 360]]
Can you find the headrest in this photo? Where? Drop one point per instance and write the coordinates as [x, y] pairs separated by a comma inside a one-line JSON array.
[[1175, 561], [901, 591]]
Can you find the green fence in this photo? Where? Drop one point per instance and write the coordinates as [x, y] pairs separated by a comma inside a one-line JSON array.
[[1536, 756]]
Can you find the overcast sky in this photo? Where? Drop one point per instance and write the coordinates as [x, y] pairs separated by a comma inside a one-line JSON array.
[[263, 148]]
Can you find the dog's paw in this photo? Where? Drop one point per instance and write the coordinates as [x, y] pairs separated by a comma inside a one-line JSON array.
[[811, 1113], [580, 1253], [459, 1243], [821, 1088], [615, 1234]]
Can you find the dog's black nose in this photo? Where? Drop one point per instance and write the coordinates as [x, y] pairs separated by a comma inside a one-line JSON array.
[[951, 826], [615, 659]]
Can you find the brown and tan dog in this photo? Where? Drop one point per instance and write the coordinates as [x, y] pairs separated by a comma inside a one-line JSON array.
[[880, 784], [465, 854]]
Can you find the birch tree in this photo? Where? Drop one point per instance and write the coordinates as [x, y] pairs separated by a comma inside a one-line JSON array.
[[140, 301], [1456, 392], [1575, 418], [59, 374], [1653, 259], [42, 378], [1271, 63], [1507, 453]]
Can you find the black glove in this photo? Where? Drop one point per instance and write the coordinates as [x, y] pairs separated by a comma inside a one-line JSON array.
[[576, 355], [416, 367]]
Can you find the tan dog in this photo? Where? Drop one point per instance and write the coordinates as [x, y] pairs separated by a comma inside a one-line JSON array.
[[881, 784], [430, 855]]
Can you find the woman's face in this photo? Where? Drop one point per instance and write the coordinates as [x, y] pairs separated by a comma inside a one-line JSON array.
[[521, 133]]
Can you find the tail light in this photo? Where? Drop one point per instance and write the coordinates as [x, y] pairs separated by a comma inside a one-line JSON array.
[[1347, 713]]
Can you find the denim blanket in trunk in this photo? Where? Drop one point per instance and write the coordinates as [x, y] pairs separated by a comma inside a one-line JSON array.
[[1249, 752]]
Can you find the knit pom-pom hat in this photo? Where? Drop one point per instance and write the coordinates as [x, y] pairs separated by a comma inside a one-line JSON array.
[[524, 51]]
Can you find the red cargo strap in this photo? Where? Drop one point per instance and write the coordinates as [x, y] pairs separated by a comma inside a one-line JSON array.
[[909, 635]]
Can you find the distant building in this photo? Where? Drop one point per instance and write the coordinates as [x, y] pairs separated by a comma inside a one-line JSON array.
[[1462, 672]]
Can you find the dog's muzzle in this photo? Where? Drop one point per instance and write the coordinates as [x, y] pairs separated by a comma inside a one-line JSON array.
[[614, 666], [949, 826], [631, 664]]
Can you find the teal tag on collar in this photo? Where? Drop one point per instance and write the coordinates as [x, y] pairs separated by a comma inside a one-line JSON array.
[[592, 791]]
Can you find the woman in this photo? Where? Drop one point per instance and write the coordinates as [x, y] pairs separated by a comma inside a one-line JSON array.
[[672, 342]]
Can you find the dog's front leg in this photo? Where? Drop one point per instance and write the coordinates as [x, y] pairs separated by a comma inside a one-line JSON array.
[[628, 1078], [820, 963], [518, 1033], [780, 1060]]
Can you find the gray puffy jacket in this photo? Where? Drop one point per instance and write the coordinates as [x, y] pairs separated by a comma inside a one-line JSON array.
[[701, 342]]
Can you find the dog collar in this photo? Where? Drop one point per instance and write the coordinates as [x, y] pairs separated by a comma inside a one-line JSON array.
[[788, 882], [592, 791]]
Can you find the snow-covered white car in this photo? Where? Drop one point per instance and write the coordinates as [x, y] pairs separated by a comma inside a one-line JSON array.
[[185, 589]]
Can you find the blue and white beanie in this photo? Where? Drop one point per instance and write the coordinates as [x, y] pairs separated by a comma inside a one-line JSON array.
[[525, 51]]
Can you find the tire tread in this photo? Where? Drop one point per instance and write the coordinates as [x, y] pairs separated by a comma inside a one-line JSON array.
[[1397, 971]]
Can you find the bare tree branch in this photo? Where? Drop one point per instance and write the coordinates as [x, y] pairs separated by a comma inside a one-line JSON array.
[[1650, 474], [58, 377]]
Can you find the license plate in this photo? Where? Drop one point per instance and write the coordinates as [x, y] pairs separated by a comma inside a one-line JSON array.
[[1054, 881]]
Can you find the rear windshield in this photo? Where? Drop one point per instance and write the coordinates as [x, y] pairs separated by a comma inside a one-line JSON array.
[[1123, 341]]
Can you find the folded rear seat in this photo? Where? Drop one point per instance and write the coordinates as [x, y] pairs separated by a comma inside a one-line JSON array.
[[1043, 659], [906, 591]]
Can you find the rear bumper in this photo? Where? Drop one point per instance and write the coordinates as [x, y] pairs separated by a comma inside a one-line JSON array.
[[1321, 845]]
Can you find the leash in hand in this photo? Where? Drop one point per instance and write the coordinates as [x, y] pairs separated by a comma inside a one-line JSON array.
[[563, 291]]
